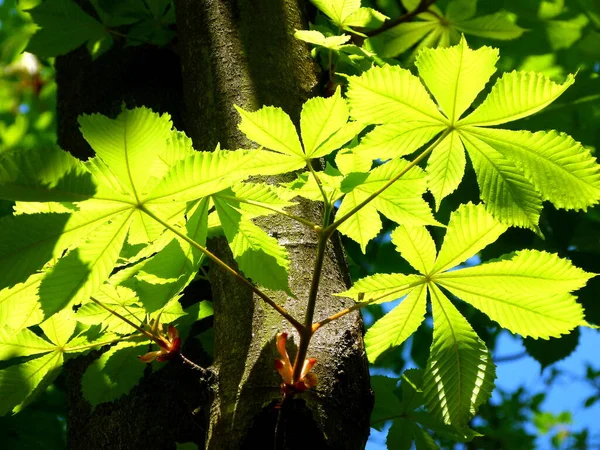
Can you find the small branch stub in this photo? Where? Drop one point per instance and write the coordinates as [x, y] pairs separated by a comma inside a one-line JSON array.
[[307, 379]]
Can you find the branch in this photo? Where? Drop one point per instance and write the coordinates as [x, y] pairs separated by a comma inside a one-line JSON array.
[[508, 358], [423, 6], [306, 335], [239, 277]]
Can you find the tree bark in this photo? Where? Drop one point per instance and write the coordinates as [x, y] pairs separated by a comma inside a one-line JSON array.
[[231, 52]]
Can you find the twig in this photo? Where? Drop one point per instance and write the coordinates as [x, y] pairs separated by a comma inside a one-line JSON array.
[[423, 6]]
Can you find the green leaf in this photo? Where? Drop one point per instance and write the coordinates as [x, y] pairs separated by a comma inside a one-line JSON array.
[[471, 228], [416, 246], [403, 37], [554, 349], [174, 267], [401, 202], [338, 10], [306, 186], [317, 38], [59, 328], [348, 161], [114, 373], [272, 128], [461, 9], [560, 168], [259, 256], [19, 383], [460, 373], [527, 294], [362, 226], [319, 119], [423, 441], [514, 96], [386, 403], [446, 167], [494, 26], [41, 175], [64, 27], [204, 173], [391, 94], [128, 143], [401, 434], [397, 325], [118, 298], [83, 270], [382, 287], [30, 241], [412, 389], [507, 193], [396, 139], [24, 343], [365, 18], [19, 305], [265, 162], [251, 196], [455, 75]]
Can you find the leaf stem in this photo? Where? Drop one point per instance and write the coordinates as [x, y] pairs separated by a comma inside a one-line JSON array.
[[192, 364], [423, 6], [318, 181], [127, 321], [360, 305], [302, 220], [327, 231], [239, 277], [131, 337]]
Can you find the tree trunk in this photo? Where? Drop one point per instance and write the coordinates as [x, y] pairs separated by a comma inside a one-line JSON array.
[[231, 52]]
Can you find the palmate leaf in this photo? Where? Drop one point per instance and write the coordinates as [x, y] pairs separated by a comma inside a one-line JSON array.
[[44, 175], [396, 139], [515, 171], [140, 161], [20, 383], [348, 13], [434, 28], [528, 293], [559, 167], [64, 26], [315, 37], [323, 123]]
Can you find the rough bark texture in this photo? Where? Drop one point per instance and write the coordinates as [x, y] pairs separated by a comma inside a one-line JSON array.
[[231, 52], [244, 53]]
